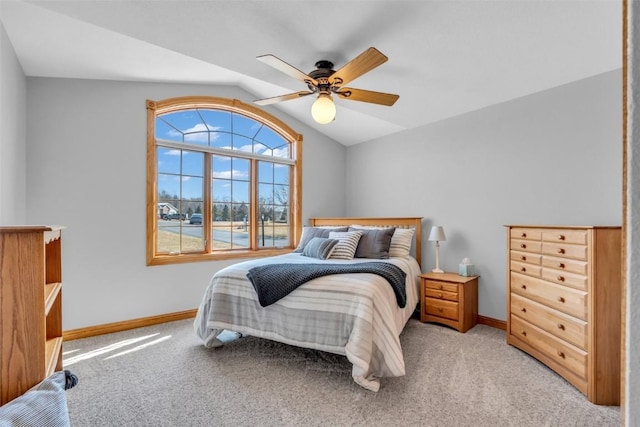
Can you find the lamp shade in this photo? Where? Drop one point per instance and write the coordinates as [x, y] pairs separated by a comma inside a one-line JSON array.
[[437, 234], [323, 109]]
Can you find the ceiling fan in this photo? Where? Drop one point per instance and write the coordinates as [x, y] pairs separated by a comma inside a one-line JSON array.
[[325, 81]]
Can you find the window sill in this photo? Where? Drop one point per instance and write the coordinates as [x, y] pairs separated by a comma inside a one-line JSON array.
[[218, 256]]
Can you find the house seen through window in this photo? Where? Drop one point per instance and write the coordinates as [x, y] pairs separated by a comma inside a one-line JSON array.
[[223, 181]]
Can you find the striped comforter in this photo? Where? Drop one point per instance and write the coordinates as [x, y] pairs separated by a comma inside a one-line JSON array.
[[355, 315]]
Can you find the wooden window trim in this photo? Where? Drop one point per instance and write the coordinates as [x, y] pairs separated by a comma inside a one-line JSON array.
[[155, 108]]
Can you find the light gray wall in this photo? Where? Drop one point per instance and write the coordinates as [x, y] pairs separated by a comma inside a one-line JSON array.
[[632, 360], [550, 158], [12, 135], [86, 156]]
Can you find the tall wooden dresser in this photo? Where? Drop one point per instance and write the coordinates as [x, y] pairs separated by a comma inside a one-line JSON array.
[[564, 303], [30, 307]]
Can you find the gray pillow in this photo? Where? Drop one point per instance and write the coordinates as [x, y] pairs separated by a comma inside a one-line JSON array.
[[319, 247], [309, 233], [374, 243], [44, 405]]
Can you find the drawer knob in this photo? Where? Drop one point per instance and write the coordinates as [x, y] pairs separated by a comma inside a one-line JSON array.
[[439, 295], [523, 309], [523, 286], [523, 269], [561, 299], [561, 326], [561, 354], [523, 235], [440, 309], [561, 251], [560, 278], [524, 333], [523, 246], [523, 258], [560, 265], [440, 287], [561, 237]]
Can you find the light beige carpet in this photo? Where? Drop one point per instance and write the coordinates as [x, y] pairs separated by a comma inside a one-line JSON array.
[[163, 376]]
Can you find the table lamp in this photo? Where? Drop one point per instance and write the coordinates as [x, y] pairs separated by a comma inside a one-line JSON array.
[[437, 235]]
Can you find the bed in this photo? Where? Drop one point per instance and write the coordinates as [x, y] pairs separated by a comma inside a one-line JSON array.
[[358, 315]]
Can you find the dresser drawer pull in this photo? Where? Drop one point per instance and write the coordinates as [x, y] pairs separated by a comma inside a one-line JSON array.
[[561, 237], [523, 246], [523, 309], [523, 269], [523, 258], [561, 299], [439, 309], [561, 251], [560, 265], [561, 326], [524, 333], [560, 278], [439, 295], [561, 354], [441, 288], [523, 235], [523, 286]]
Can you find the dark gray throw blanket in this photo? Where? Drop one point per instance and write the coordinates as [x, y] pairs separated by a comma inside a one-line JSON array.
[[275, 281]]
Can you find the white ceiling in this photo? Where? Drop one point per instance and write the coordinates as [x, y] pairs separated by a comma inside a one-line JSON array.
[[445, 57]]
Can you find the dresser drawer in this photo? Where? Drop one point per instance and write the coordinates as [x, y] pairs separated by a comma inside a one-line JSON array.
[[442, 308], [562, 325], [441, 286], [526, 246], [565, 236], [526, 234], [564, 250], [567, 300], [565, 264], [560, 351], [529, 258], [438, 294], [576, 281], [528, 269]]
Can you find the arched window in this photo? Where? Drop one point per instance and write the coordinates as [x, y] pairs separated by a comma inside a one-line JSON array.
[[223, 181]]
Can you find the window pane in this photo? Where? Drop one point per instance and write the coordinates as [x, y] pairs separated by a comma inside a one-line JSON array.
[[242, 143], [240, 191], [164, 131], [281, 235], [168, 187], [187, 126], [192, 163], [240, 169], [169, 160], [265, 172], [221, 237], [221, 140], [245, 126], [168, 240], [281, 174], [217, 120]]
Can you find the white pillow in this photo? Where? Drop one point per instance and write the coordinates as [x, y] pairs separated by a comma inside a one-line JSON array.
[[347, 244], [401, 242]]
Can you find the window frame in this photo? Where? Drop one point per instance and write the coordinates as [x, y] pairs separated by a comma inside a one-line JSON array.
[[170, 105]]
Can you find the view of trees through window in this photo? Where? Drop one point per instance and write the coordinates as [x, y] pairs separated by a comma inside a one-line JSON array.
[[224, 182]]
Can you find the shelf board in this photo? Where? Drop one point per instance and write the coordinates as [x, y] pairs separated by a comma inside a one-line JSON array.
[[52, 352], [51, 291]]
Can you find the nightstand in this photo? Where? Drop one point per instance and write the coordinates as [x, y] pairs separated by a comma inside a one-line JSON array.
[[449, 299]]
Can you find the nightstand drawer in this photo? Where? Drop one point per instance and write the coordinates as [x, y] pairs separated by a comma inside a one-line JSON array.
[[438, 294], [442, 308], [441, 286]]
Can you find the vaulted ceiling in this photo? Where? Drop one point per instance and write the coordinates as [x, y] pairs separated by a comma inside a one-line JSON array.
[[445, 57]]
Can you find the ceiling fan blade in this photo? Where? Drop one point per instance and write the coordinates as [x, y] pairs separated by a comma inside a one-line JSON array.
[[366, 61], [362, 95], [290, 70], [273, 100]]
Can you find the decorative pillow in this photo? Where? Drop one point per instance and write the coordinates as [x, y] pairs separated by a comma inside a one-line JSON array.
[[374, 243], [43, 405], [401, 242], [309, 233], [319, 247], [347, 244]]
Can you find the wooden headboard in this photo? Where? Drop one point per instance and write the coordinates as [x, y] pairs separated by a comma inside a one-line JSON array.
[[404, 222]]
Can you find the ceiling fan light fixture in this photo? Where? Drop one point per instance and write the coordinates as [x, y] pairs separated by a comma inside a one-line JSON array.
[[323, 109]]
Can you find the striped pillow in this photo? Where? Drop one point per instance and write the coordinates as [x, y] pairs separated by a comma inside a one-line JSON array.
[[319, 247], [347, 244], [401, 242]]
